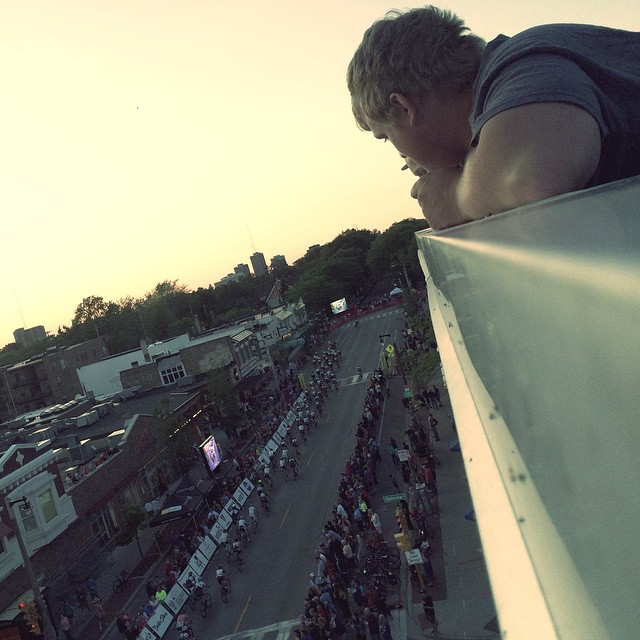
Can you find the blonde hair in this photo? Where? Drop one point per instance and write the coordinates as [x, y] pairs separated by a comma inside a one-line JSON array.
[[415, 53]]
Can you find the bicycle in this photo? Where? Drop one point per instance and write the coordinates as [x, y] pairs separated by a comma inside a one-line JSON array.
[[239, 560], [205, 602], [265, 503], [121, 581], [255, 524], [243, 535], [225, 588]]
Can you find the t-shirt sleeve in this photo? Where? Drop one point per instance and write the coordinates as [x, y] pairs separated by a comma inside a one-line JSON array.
[[533, 78]]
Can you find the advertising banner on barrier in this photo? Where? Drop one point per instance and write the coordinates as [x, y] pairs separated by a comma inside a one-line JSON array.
[[240, 496], [229, 508], [176, 598], [217, 530], [197, 563], [160, 621], [145, 634], [247, 486], [224, 519], [207, 547]]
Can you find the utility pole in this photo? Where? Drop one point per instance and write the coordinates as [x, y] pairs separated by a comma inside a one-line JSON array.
[[49, 631]]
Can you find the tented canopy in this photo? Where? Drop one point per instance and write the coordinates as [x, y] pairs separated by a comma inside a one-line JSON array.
[[183, 502]]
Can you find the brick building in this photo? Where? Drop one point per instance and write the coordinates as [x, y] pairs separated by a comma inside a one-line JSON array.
[[50, 378], [77, 510]]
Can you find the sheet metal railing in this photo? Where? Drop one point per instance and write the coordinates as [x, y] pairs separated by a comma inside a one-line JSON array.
[[537, 317]]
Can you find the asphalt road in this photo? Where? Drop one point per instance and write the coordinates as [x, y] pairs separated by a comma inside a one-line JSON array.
[[273, 582]]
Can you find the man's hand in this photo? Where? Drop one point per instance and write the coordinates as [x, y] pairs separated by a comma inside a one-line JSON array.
[[436, 193]]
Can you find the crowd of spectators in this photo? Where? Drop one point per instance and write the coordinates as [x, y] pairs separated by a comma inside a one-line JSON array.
[[342, 599]]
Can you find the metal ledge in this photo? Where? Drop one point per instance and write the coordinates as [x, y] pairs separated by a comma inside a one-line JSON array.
[[536, 315]]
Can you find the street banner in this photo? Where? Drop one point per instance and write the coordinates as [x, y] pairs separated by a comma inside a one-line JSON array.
[[160, 621]]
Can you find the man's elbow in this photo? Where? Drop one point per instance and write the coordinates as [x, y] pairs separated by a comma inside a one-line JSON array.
[[533, 186]]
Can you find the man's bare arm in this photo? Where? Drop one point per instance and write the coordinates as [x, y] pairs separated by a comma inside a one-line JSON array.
[[523, 155]]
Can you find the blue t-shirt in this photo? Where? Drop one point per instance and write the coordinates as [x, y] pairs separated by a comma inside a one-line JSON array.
[[595, 68]]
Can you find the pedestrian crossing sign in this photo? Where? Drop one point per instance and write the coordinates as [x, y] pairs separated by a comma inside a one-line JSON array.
[[390, 349]]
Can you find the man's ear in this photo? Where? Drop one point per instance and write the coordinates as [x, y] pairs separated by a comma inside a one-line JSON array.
[[404, 105]]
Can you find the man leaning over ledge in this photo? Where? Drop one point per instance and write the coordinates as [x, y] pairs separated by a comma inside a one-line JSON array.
[[490, 127]]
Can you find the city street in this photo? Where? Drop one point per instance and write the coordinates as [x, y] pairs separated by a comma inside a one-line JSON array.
[[270, 589]]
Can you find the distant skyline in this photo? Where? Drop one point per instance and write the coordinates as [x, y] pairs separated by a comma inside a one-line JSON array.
[[141, 140]]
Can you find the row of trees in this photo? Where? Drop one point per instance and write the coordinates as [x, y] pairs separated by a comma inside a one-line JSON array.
[[343, 267]]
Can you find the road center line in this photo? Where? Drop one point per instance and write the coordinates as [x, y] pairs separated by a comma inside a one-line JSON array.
[[286, 513], [244, 611], [311, 456]]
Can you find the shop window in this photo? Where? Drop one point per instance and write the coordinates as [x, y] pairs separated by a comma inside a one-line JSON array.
[[47, 505], [170, 375]]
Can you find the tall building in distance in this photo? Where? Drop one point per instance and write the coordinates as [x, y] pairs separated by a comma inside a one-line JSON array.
[[28, 336], [258, 263], [242, 270], [278, 262]]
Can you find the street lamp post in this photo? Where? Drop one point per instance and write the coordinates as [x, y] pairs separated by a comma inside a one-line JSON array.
[[49, 631], [406, 274]]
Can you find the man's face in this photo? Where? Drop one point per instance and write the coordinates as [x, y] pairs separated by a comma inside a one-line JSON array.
[[434, 133]]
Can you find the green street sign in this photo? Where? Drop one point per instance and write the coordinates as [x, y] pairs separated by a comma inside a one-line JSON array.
[[395, 497]]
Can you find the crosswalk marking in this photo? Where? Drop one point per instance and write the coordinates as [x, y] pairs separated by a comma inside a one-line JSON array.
[[347, 382], [283, 630]]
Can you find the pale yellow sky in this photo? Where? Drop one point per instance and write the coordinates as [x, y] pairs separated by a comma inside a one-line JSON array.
[[141, 139]]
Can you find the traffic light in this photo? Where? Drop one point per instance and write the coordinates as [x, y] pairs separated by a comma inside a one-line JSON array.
[[403, 542], [401, 520], [30, 617]]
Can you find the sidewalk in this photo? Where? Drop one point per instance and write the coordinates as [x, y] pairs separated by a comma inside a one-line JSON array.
[[156, 544], [460, 590]]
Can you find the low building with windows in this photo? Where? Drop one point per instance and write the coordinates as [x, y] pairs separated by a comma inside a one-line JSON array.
[[30, 471], [76, 507]]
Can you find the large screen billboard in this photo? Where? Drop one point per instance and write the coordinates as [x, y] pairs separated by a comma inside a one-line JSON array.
[[338, 306], [211, 453]]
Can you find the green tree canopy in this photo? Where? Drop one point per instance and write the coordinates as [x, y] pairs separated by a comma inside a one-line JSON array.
[[397, 245]]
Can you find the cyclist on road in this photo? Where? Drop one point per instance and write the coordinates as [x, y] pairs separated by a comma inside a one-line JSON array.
[[253, 514], [285, 468], [264, 499], [294, 466], [224, 541], [237, 549], [220, 574], [183, 624], [195, 584], [242, 529]]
